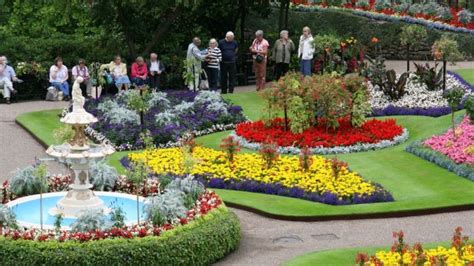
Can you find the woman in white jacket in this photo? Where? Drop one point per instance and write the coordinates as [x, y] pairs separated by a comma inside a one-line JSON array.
[[305, 51]]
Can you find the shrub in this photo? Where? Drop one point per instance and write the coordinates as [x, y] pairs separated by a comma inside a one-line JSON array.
[[430, 76], [117, 215], [454, 97], [7, 218], [469, 105], [191, 188], [415, 9], [362, 4], [332, 100], [393, 87], [465, 16], [382, 4], [401, 8], [90, 220], [299, 115], [430, 8], [25, 183], [201, 242], [103, 176], [444, 13], [165, 207]]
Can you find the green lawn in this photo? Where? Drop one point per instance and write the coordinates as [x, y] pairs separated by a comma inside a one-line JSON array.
[[415, 183], [467, 74], [342, 257]]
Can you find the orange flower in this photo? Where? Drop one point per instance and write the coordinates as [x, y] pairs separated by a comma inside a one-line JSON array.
[[375, 40]]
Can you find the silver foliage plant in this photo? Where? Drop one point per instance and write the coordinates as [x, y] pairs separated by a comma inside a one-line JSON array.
[[169, 205], [159, 99], [103, 176], [91, 220], [118, 114], [188, 185], [7, 217], [25, 183]]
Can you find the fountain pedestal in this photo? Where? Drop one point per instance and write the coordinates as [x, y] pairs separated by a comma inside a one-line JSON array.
[[79, 153]]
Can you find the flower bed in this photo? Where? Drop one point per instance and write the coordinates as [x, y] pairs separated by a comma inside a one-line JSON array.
[[454, 154], [372, 134], [393, 14], [325, 180], [461, 252], [418, 100], [167, 116], [212, 236]]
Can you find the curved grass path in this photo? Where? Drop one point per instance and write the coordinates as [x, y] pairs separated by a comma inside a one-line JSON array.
[[416, 184]]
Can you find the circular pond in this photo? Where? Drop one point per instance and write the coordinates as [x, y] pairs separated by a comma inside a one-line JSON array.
[[27, 209]]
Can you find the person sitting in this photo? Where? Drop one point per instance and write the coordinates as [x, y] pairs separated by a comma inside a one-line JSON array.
[[118, 72], [81, 70], [155, 68], [58, 76], [139, 72], [7, 77]]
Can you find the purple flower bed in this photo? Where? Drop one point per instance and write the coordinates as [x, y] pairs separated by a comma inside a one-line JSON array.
[[127, 134]]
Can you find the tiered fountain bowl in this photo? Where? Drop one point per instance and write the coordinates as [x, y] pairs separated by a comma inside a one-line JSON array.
[[78, 153]]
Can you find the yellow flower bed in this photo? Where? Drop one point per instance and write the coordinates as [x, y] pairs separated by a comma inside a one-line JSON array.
[[448, 255], [286, 171]]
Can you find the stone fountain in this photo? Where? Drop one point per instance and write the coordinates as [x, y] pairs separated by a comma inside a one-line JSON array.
[[79, 153]]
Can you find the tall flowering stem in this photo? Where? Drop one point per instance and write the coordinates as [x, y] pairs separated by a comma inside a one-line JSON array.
[[269, 153], [305, 158], [231, 146]]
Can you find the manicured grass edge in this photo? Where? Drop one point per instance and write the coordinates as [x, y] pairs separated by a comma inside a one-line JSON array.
[[439, 159], [201, 242]]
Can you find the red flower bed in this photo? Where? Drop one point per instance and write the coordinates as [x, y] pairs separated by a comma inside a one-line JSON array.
[[372, 131]]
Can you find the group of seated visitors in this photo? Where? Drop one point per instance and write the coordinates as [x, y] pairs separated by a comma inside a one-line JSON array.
[[142, 73]]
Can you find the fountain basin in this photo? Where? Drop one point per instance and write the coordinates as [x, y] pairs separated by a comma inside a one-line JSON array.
[[27, 209]]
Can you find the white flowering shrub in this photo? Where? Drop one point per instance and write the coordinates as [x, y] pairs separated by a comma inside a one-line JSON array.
[[417, 95]]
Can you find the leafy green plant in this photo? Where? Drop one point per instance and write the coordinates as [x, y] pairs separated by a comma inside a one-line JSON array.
[[446, 49], [165, 207], [90, 220], [454, 97], [24, 183], [394, 88], [360, 108], [430, 76], [191, 188], [376, 70], [469, 105], [117, 215], [103, 176], [58, 219], [299, 115]]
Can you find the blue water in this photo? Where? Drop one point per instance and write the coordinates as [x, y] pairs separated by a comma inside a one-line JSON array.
[[30, 211]]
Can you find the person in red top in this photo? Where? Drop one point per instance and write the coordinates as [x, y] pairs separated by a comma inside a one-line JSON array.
[[139, 72]]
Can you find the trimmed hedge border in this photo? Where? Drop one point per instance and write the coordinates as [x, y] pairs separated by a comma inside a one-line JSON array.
[[201, 242], [439, 159]]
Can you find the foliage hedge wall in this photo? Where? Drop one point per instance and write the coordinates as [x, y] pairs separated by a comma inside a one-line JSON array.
[[201, 242], [345, 24]]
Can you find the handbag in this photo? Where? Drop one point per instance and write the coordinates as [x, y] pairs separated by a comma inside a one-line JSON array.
[[204, 82], [259, 58]]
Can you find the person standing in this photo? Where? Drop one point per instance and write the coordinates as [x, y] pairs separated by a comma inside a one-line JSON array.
[[155, 68], [306, 51], [229, 49], [195, 59], [81, 70], [7, 77], [213, 61], [139, 72], [118, 72], [58, 76], [259, 50], [281, 54]]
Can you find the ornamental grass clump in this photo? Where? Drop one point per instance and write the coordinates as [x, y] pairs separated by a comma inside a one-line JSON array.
[[231, 146], [269, 153]]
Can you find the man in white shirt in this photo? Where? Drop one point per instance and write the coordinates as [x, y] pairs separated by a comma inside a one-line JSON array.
[[155, 69], [7, 77]]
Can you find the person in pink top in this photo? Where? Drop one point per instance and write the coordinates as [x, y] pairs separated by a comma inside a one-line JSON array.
[[259, 50], [139, 72]]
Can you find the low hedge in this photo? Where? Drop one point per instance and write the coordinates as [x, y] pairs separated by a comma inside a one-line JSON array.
[[201, 242], [346, 24], [441, 160]]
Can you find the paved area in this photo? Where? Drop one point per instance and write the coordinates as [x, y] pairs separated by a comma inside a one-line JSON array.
[[264, 241], [17, 148]]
